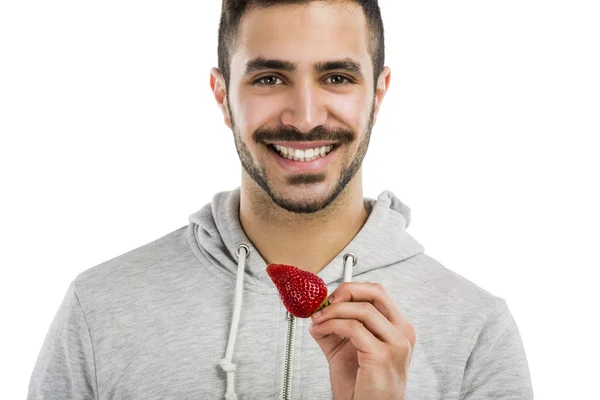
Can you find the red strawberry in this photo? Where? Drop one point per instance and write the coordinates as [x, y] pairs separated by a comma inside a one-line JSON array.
[[303, 293]]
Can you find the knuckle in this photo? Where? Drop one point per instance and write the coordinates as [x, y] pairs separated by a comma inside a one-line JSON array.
[[380, 292], [402, 350], [342, 288], [355, 325], [378, 288], [408, 350], [410, 334], [368, 310]]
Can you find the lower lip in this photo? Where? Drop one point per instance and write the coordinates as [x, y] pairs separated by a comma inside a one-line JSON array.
[[304, 166]]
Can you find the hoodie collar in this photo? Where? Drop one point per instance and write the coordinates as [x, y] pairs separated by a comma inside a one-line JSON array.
[[382, 241]]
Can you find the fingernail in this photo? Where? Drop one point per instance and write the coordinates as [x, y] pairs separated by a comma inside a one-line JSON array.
[[316, 315], [331, 298]]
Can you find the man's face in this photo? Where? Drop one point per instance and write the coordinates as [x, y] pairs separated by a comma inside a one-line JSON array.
[[301, 86]]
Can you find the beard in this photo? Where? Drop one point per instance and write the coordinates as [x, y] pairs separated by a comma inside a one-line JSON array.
[[320, 133]]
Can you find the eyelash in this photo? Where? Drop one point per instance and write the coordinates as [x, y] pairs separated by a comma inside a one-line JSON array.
[[346, 80]]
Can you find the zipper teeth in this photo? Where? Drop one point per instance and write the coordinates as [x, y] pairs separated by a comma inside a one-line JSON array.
[[289, 357]]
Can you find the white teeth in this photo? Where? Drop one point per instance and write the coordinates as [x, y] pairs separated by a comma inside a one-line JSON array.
[[303, 155]]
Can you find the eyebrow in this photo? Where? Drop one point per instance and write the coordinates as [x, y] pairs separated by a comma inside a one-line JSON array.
[[260, 64], [346, 64]]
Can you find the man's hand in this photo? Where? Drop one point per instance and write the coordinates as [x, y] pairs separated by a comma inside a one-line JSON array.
[[366, 341]]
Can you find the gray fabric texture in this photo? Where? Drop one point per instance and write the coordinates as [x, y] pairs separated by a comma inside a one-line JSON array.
[[153, 323]]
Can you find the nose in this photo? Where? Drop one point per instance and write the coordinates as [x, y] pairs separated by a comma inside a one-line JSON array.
[[305, 108]]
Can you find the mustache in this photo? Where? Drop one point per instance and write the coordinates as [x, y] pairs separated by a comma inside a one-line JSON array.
[[317, 134]]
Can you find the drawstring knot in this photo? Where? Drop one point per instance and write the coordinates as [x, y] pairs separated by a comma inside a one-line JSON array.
[[227, 365]]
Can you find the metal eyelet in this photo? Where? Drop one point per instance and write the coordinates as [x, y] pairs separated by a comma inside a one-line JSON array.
[[237, 251], [354, 258]]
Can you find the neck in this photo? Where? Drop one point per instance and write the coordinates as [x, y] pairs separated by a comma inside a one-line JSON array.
[[307, 241]]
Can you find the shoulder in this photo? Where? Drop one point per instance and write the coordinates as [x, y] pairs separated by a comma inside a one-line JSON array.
[[134, 270], [428, 288], [450, 285]]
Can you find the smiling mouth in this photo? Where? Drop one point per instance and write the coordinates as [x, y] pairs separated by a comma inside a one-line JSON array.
[[303, 155]]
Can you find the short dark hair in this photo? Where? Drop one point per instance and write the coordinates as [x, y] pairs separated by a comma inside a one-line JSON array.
[[233, 10]]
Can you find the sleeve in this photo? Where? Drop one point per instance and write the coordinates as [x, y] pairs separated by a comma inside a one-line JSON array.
[[497, 367], [65, 368]]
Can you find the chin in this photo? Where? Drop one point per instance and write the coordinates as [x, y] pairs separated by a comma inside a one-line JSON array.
[[304, 198]]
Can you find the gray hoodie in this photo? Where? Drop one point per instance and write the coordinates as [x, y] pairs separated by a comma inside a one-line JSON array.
[[174, 319]]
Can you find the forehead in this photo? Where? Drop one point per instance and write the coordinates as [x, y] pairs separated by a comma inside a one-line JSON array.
[[304, 33]]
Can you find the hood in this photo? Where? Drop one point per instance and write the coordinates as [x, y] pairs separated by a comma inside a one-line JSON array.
[[382, 241]]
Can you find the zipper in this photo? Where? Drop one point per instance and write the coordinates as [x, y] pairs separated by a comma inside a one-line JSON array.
[[289, 357]]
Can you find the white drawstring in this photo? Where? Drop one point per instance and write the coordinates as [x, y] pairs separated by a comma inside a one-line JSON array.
[[348, 264], [226, 363]]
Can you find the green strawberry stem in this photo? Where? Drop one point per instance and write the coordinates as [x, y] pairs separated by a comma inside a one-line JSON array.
[[324, 304]]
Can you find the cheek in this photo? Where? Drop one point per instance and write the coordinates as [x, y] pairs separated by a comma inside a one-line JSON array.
[[255, 112], [351, 111]]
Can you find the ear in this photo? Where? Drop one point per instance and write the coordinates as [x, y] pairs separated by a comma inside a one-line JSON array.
[[383, 83], [217, 85]]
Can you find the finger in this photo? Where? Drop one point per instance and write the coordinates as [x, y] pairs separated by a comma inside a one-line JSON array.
[[352, 329], [327, 342], [373, 293], [364, 312]]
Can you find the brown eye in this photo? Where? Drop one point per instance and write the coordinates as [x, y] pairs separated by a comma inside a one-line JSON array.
[[338, 79], [267, 80]]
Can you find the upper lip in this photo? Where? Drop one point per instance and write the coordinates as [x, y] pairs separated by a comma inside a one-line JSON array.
[[303, 145]]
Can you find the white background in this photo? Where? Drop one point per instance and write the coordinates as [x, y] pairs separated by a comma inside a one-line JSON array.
[[110, 138]]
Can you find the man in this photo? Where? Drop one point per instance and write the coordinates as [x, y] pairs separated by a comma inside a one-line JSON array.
[[194, 314]]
